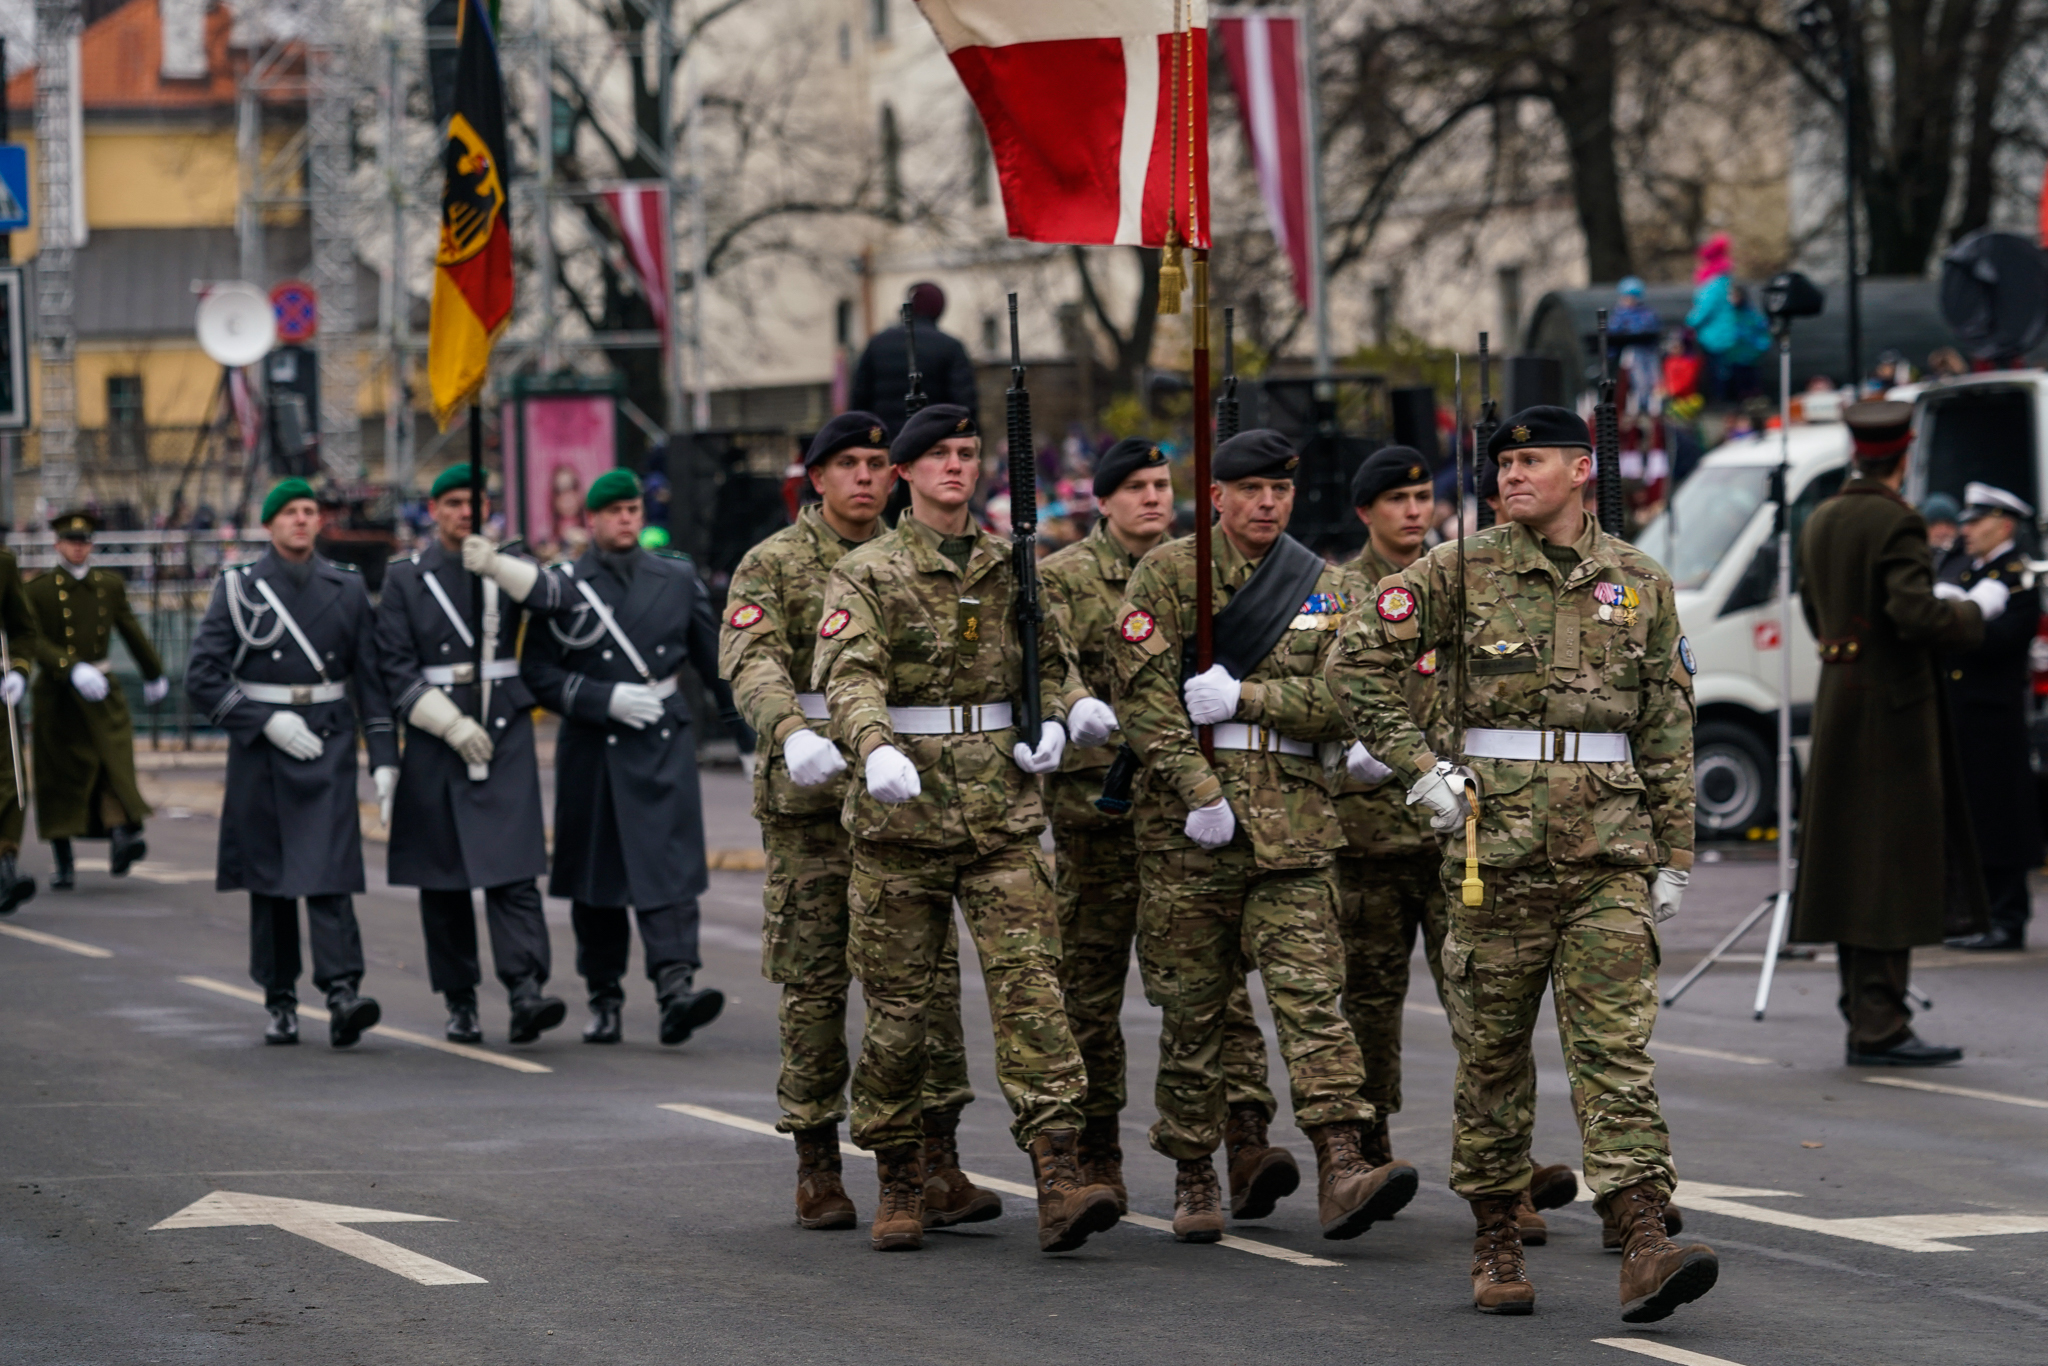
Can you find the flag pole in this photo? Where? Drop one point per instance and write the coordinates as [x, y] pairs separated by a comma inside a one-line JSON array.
[[1312, 135], [1205, 589]]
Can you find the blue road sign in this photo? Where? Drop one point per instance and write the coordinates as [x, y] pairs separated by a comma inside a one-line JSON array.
[[13, 187]]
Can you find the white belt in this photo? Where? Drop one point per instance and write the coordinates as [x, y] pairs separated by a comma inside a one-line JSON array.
[[961, 720], [1238, 735], [663, 687], [452, 675], [1549, 746], [813, 705], [281, 695]]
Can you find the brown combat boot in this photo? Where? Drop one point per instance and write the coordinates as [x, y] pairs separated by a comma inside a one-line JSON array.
[[1375, 1143], [1068, 1210], [821, 1198], [1551, 1187], [1261, 1175], [1610, 1230], [1500, 1282], [1657, 1275], [1535, 1228], [949, 1197], [1197, 1202], [1351, 1195], [1102, 1158], [899, 1217]]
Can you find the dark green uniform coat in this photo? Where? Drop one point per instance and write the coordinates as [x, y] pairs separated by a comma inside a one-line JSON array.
[[1886, 858], [84, 751], [20, 625]]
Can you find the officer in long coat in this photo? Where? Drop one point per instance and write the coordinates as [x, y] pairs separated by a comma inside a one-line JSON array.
[[18, 643], [286, 663], [629, 823], [466, 810], [1886, 857], [84, 739], [1988, 689]]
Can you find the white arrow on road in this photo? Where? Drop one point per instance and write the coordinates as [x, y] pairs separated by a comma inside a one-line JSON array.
[[324, 1224]]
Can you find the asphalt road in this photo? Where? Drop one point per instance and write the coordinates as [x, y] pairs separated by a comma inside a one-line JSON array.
[[581, 1221]]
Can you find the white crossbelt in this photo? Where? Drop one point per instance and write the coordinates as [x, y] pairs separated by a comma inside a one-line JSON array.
[[961, 720], [450, 675], [813, 705], [286, 695], [1550, 746], [663, 687], [1238, 735]]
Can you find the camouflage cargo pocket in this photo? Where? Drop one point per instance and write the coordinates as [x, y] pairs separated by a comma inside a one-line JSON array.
[[782, 932], [1509, 828]]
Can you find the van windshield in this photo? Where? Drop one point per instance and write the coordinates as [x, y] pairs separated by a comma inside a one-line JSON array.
[[1709, 512]]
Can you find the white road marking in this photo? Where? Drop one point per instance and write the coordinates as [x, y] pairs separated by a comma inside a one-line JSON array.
[[149, 872], [1900, 1232], [1970, 1092], [1688, 1190], [1018, 1188], [1644, 1347], [460, 1050], [324, 1224], [56, 941]]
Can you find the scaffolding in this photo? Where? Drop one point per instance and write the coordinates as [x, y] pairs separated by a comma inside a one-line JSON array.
[[58, 26]]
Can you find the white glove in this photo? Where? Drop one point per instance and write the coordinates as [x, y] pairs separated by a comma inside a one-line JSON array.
[[1211, 696], [437, 715], [386, 780], [892, 778], [1052, 742], [155, 690], [12, 687], [1442, 790], [813, 760], [1990, 596], [90, 682], [1213, 825], [1362, 767], [1951, 592], [516, 577], [1667, 889], [634, 704], [289, 732], [1091, 720]]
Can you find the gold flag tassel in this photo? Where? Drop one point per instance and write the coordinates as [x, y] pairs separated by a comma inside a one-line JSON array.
[[1173, 277], [1473, 890]]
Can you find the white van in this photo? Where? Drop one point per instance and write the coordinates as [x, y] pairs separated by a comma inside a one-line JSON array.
[[1980, 427]]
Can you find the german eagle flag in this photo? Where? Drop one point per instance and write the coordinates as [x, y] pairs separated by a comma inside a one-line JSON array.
[[473, 267]]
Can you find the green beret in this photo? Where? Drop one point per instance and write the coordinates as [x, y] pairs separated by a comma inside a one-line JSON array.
[[450, 479], [285, 492], [613, 486]]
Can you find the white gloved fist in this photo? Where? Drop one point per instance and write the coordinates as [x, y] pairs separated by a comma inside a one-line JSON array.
[[479, 556], [892, 778], [813, 760], [1211, 696], [516, 576], [1991, 597], [469, 739], [1362, 767], [1212, 826], [1667, 889], [90, 682], [12, 688], [1442, 790], [386, 780], [634, 704], [1951, 592], [1052, 742], [1092, 721], [155, 690], [289, 732]]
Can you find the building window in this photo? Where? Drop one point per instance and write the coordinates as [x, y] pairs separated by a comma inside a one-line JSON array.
[[991, 335], [878, 19], [124, 419], [842, 322], [892, 164], [1508, 280], [980, 161]]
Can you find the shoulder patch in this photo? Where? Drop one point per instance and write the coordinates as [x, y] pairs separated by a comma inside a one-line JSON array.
[[1685, 656], [748, 615], [836, 621], [1426, 665], [1137, 626], [1395, 604]]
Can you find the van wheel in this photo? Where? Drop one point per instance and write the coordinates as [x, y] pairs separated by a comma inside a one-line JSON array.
[[1735, 778]]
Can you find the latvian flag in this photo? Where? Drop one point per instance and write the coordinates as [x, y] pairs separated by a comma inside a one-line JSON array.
[[1097, 112]]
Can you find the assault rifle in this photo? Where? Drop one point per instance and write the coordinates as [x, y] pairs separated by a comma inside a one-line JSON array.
[[914, 397], [1226, 406], [1606, 442], [1023, 532], [1482, 437]]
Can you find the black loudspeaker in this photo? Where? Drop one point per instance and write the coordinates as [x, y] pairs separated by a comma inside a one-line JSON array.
[[1414, 414], [1532, 380]]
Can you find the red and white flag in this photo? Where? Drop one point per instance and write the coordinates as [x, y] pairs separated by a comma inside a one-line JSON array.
[[640, 209], [1266, 55], [1097, 112]]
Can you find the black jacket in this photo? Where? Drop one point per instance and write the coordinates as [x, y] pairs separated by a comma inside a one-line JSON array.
[[883, 373], [1987, 694]]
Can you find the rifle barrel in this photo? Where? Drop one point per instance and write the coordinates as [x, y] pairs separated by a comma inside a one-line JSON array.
[[1024, 535]]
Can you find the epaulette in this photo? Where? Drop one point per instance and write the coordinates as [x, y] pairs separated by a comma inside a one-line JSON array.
[[675, 555], [343, 565]]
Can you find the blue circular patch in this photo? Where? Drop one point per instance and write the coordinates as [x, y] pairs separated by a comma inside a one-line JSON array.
[[1685, 656]]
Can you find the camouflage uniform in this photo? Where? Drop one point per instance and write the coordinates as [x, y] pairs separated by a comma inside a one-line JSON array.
[[1093, 851], [1269, 897], [1568, 848], [1388, 886], [905, 626], [771, 627]]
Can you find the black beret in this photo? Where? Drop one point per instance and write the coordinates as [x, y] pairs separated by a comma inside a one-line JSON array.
[[843, 431], [1540, 427], [927, 427], [1123, 460], [1390, 467], [1260, 453]]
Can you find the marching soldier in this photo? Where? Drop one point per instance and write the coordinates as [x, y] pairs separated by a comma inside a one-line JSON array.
[[466, 809], [919, 663], [1094, 850], [84, 740], [629, 819], [286, 663], [1237, 853], [767, 643], [18, 645], [1579, 708]]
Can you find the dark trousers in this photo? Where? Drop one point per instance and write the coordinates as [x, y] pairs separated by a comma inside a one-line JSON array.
[[668, 937], [519, 936], [2012, 905], [274, 943], [1873, 997]]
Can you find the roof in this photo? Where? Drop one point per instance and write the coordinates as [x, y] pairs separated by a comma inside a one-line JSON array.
[[137, 282], [120, 60]]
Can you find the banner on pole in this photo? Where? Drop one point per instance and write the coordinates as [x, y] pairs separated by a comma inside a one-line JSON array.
[[640, 212], [1266, 54], [473, 266]]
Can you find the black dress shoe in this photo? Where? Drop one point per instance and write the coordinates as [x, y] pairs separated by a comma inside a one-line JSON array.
[[533, 1012], [605, 1024], [1912, 1051], [348, 1015], [462, 1022], [128, 849], [1997, 939], [684, 1013], [284, 1024], [14, 888], [66, 876]]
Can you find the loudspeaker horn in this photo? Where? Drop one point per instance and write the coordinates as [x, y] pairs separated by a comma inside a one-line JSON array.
[[236, 324]]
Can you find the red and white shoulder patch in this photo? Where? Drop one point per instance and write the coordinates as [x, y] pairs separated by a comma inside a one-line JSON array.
[[1427, 664], [745, 616], [1395, 604], [835, 622], [1137, 626]]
